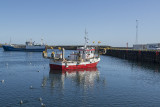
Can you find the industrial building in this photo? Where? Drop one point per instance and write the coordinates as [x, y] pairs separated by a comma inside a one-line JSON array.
[[153, 46]]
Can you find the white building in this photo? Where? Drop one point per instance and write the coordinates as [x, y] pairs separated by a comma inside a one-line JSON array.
[[153, 46]]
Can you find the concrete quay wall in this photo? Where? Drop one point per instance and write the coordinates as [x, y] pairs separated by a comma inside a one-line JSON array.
[[135, 55]]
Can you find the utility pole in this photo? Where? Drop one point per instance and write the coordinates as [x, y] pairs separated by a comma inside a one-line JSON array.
[[136, 31]]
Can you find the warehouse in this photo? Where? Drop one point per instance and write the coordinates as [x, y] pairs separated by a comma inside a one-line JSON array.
[[153, 46]]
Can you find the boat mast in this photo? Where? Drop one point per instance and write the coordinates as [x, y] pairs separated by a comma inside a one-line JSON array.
[[86, 39]]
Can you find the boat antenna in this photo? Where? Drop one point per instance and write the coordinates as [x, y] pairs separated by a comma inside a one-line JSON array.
[[10, 41], [86, 39], [42, 41]]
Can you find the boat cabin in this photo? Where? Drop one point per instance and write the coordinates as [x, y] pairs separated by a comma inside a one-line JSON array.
[[82, 53]]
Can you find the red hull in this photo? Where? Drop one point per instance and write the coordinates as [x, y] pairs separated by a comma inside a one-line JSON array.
[[61, 67], [94, 69]]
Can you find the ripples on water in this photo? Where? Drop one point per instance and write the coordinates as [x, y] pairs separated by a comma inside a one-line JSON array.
[[115, 82]]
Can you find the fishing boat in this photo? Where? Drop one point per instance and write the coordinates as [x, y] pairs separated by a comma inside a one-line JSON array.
[[84, 57], [28, 47]]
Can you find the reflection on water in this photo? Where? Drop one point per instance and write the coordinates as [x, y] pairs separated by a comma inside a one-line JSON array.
[[145, 65], [85, 78]]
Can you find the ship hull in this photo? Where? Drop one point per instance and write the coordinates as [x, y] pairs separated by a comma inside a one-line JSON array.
[[72, 66], [63, 67], [11, 48]]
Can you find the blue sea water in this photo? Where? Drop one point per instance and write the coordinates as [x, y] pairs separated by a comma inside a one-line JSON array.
[[115, 82]]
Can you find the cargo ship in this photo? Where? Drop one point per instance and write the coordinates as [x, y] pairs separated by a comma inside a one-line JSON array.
[[84, 57], [28, 47]]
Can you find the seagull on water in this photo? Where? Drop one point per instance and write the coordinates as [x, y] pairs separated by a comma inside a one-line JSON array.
[[21, 102], [42, 85], [42, 105], [2, 81], [31, 87], [40, 99]]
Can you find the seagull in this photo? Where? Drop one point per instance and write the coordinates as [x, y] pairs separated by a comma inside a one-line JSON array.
[[42, 105], [38, 71], [21, 102], [31, 87], [2, 81], [42, 85], [40, 99]]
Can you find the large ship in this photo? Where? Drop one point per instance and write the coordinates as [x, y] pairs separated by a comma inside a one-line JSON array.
[[84, 57], [28, 47]]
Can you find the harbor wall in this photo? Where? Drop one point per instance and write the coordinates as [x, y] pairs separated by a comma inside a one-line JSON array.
[[67, 47], [135, 55], [74, 47]]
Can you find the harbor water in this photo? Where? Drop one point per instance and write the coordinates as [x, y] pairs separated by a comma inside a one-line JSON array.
[[26, 77]]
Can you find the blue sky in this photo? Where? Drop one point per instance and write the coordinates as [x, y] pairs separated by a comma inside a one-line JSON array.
[[62, 22]]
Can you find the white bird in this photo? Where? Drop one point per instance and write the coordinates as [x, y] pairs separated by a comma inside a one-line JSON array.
[[31, 87], [2, 81], [42, 105], [42, 85], [21, 102], [40, 99], [6, 64]]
